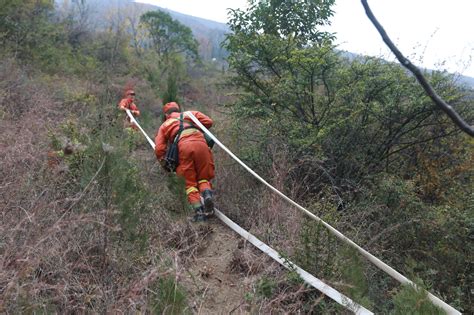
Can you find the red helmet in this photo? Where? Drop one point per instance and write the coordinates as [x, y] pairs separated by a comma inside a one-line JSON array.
[[169, 106]]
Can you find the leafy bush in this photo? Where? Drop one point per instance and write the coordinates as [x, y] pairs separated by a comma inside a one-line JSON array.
[[265, 287], [361, 133], [413, 301]]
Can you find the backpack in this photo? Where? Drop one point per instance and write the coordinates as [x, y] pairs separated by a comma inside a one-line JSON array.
[[209, 141], [172, 152]]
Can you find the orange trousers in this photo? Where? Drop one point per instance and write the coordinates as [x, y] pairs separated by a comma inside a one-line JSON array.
[[196, 165]]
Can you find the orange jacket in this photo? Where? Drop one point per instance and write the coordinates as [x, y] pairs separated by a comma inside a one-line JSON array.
[[170, 127], [127, 103]]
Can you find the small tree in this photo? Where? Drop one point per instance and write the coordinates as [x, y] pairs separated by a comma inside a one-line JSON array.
[[171, 93], [281, 58], [168, 36], [24, 25]]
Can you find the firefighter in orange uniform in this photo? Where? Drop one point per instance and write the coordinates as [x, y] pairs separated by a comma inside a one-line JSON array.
[[128, 103], [196, 163]]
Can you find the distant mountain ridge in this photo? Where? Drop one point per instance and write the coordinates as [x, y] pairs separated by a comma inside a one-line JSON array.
[[469, 81], [210, 34], [198, 26], [194, 19], [461, 79]]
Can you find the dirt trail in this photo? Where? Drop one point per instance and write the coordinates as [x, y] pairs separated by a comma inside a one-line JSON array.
[[215, 289], [225, 268]]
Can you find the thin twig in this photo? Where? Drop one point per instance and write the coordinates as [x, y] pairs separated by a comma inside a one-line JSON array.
[[448, 109], [83, 191], [75, 202]]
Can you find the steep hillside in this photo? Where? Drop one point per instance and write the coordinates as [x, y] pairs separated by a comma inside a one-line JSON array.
[[91, 223], [210, 34]]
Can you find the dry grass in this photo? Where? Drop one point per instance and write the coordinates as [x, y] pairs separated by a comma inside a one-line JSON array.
[[60, 249], [246, 260], [185, 239]]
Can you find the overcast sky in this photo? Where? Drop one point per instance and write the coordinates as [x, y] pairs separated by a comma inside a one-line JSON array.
[[436, 34]]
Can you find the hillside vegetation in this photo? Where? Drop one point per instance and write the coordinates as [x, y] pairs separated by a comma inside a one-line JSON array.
[[91, 224]]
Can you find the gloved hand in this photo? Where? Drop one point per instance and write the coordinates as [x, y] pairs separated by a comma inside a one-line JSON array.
[[135, 112]]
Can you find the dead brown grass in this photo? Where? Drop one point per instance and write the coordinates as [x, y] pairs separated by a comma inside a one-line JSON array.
[[246, 260], [186, 239], [61, 251]]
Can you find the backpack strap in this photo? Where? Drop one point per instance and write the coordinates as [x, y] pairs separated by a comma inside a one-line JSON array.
[[181, 128], [209, 141]]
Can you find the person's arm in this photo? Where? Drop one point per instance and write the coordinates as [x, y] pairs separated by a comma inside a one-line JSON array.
[[204, 119], [123, 105], [160, 144], [134, 110]]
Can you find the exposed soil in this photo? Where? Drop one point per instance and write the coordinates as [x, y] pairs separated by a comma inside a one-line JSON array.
[[224, 269], [214, 280]]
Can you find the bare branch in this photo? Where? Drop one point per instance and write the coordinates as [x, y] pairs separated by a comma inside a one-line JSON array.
[[448, 109]]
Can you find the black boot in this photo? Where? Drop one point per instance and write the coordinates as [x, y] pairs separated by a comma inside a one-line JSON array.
[[208, 201], [200, 216]]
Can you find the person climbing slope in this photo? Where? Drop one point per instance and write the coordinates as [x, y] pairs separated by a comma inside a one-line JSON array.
[[196, 163], [128, 102]]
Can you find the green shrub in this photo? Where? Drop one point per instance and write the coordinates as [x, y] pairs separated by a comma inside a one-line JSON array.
[[265, 287], [353, 272], [413, 301], [167, 297]]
